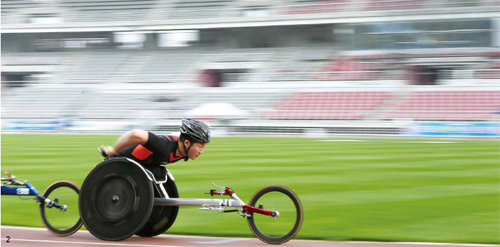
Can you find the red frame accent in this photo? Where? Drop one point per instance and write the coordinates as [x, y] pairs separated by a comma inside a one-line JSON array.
[[228, 191], [215, 193], [6, 173], [9, 178], [247, 208]]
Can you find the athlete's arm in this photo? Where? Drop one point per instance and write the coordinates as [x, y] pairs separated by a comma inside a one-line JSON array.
[[130, 138]]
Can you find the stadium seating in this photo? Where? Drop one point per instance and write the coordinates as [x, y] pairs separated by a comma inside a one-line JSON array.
[[164, 66], [447, 105], [492, 71], [13, 10], [377, 5], [345, 68], [315, 63], [181, 9], [145, 11], [240, 55], [101, 66], [300, 63], [108, 10], [94, 67], [22, 11], [316, 7], [327, 105], [418, 105], [249, 100], [89, 101], [53, 102], [32, 58], [332, 67], [119, 105], [43, 102]]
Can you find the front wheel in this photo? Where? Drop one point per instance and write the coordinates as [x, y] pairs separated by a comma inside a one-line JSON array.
[[276, 230], [61, 222]]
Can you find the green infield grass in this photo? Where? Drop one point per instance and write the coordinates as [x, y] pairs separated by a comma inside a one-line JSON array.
[[365, 190]]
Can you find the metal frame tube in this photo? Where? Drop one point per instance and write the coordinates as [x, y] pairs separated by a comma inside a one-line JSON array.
[[197, 202], [19, 191]]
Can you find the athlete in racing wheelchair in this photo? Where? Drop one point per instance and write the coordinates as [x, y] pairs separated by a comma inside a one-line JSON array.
[[131, 192], [153, 152]]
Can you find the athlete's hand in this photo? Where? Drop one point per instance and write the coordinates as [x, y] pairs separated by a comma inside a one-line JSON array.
[[106, 150]]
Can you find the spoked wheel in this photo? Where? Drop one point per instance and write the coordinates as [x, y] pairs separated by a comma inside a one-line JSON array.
[[282, 228], [116, 199], [61, 221]]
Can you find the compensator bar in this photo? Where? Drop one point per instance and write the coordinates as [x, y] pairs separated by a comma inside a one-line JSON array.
[[197, 202]]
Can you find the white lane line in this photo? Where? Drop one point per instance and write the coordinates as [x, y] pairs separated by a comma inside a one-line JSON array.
[[87, 243], [224, 241], [424, 243], [342, 140], [429, 142], [27, 228]]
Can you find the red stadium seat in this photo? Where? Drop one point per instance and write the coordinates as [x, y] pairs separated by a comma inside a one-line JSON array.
[[327, 105], [319, 7], [375, 5], [448, 105]]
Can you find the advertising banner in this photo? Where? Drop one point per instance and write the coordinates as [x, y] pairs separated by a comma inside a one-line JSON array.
[[34, 125], [452, 129]]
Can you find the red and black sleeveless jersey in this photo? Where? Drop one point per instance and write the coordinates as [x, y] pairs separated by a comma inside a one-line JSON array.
[[158, 150]]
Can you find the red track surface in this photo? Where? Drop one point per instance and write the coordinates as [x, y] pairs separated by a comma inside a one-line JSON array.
[[40, 238]]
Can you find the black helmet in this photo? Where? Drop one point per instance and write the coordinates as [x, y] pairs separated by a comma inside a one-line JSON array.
[[195, 129]]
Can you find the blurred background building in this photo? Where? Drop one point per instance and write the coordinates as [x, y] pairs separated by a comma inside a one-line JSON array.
[[287, 67]]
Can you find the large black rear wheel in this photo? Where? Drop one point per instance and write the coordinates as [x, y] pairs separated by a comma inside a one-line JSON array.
[[116, 199]]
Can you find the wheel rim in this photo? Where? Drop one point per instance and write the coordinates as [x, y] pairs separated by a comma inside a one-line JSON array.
[[285, 201], [115, 199], [59, 222], [284, 223]]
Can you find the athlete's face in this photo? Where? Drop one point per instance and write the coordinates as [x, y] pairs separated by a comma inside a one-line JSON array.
[[196, 150]]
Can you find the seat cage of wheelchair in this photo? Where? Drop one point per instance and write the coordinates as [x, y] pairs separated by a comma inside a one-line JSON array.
[[165, 200]]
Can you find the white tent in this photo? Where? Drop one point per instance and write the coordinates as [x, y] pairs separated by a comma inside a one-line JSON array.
[[217, 110]]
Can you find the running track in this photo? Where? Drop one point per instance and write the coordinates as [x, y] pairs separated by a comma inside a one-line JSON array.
[[21, 237]]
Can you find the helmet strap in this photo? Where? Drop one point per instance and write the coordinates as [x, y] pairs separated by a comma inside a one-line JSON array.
[[186, 149]]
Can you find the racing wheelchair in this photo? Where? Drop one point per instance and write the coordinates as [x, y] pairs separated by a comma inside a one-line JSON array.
[[59, 214], [120, 198]]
